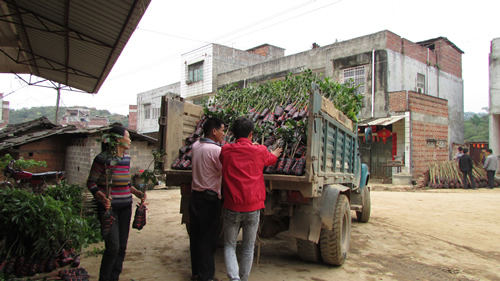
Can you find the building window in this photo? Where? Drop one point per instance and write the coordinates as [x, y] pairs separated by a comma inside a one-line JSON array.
[[356, 76], [195, 72], [147, 111], [420, 83]]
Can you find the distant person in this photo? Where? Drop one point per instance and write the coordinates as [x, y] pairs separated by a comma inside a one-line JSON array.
[[465, 164], [491, 167], [205, 205], [482, 156], [458, 154], [244, 194]]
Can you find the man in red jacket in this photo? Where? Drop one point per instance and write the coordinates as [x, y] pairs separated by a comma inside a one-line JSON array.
[[244, 194]]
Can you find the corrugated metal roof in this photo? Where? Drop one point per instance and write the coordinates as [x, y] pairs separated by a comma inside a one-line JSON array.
[[383, 121], [75, 43]]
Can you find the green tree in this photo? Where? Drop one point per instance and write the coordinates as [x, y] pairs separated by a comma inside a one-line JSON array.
[[476, 128], [17, 116]]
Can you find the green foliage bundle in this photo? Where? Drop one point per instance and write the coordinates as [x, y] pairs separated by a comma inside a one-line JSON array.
[[234, 102], [41, 225], [21, 163]]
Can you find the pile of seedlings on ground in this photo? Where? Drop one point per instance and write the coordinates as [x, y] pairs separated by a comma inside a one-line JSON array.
[[279, 109], [39, 233], [447, 174]]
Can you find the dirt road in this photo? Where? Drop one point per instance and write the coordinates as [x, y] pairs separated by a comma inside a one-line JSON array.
[[426, 235]]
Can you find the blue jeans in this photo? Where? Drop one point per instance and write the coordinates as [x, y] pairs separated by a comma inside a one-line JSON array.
[[249, 222]]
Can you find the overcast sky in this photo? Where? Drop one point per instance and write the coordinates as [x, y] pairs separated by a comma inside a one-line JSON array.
[[168, 29]]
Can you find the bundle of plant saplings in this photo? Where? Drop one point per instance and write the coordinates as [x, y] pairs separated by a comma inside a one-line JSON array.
[[39, 233], [279, 110], [447, 174]]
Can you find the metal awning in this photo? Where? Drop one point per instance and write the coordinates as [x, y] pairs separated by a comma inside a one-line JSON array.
[[383, 121], [75, 43]]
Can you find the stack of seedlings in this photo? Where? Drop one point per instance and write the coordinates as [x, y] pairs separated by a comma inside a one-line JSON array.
[[279, 110], [447, 174], [42, 232]]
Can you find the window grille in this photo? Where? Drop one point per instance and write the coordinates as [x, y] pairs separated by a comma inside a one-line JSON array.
[[147, 111], [356, 76], [420, 83]]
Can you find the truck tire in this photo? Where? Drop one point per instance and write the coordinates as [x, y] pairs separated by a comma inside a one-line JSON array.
[[364, 215], [308, 251], [334, 244]]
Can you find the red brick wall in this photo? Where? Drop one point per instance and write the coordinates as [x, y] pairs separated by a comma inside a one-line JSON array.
[[262, 50], [132, 117], [433, 127], [444, 56], [397, 102], [51, 150], [449, 58]]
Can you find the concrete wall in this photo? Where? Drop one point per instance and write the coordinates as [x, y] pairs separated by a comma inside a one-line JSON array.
[[402, 75], [153, 99], [219, 59], [81, 152], [494, 105], [79, 156], [318, 60], [205, 54]]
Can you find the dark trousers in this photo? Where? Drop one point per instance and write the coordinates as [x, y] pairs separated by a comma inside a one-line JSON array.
[[468, 173], [115, 243], [491, 178], [204, 213]]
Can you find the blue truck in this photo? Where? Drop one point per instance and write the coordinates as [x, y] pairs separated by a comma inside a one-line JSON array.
[[314, 208]]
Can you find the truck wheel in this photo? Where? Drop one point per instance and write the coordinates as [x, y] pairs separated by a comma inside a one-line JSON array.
[[334, 243], [308, 251], [364, 216]]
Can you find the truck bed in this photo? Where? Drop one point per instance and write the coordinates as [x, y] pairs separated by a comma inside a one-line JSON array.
[[331, 146]]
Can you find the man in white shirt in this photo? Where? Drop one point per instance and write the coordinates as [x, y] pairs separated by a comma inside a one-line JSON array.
[[491, 167]]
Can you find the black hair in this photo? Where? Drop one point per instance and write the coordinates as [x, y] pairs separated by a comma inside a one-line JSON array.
[[466, 150], [210, 124], [242, 127], [460, 148], [489, 150], [119, 130]]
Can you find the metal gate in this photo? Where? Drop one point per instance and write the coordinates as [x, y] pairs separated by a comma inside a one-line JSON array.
[[375, 156]]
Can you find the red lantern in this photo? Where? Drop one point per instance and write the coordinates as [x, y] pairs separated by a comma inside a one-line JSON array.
[[384, 134]]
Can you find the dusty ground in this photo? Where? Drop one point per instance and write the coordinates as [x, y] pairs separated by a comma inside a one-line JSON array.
[[423, 235]]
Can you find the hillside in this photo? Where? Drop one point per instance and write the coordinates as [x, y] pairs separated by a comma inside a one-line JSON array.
[[26, 114]]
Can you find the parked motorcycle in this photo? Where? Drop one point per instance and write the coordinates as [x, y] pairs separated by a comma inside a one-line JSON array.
[[37, 182]]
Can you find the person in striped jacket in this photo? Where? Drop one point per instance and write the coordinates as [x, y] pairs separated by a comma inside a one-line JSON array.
[[116, 162]]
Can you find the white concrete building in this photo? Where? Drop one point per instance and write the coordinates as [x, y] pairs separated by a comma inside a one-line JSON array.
[[148, 107], [494, 136], [199, 70]]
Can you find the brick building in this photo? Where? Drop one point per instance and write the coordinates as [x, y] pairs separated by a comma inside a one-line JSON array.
[[426, 121], [384, 65], [67, 148], [199, 74]]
